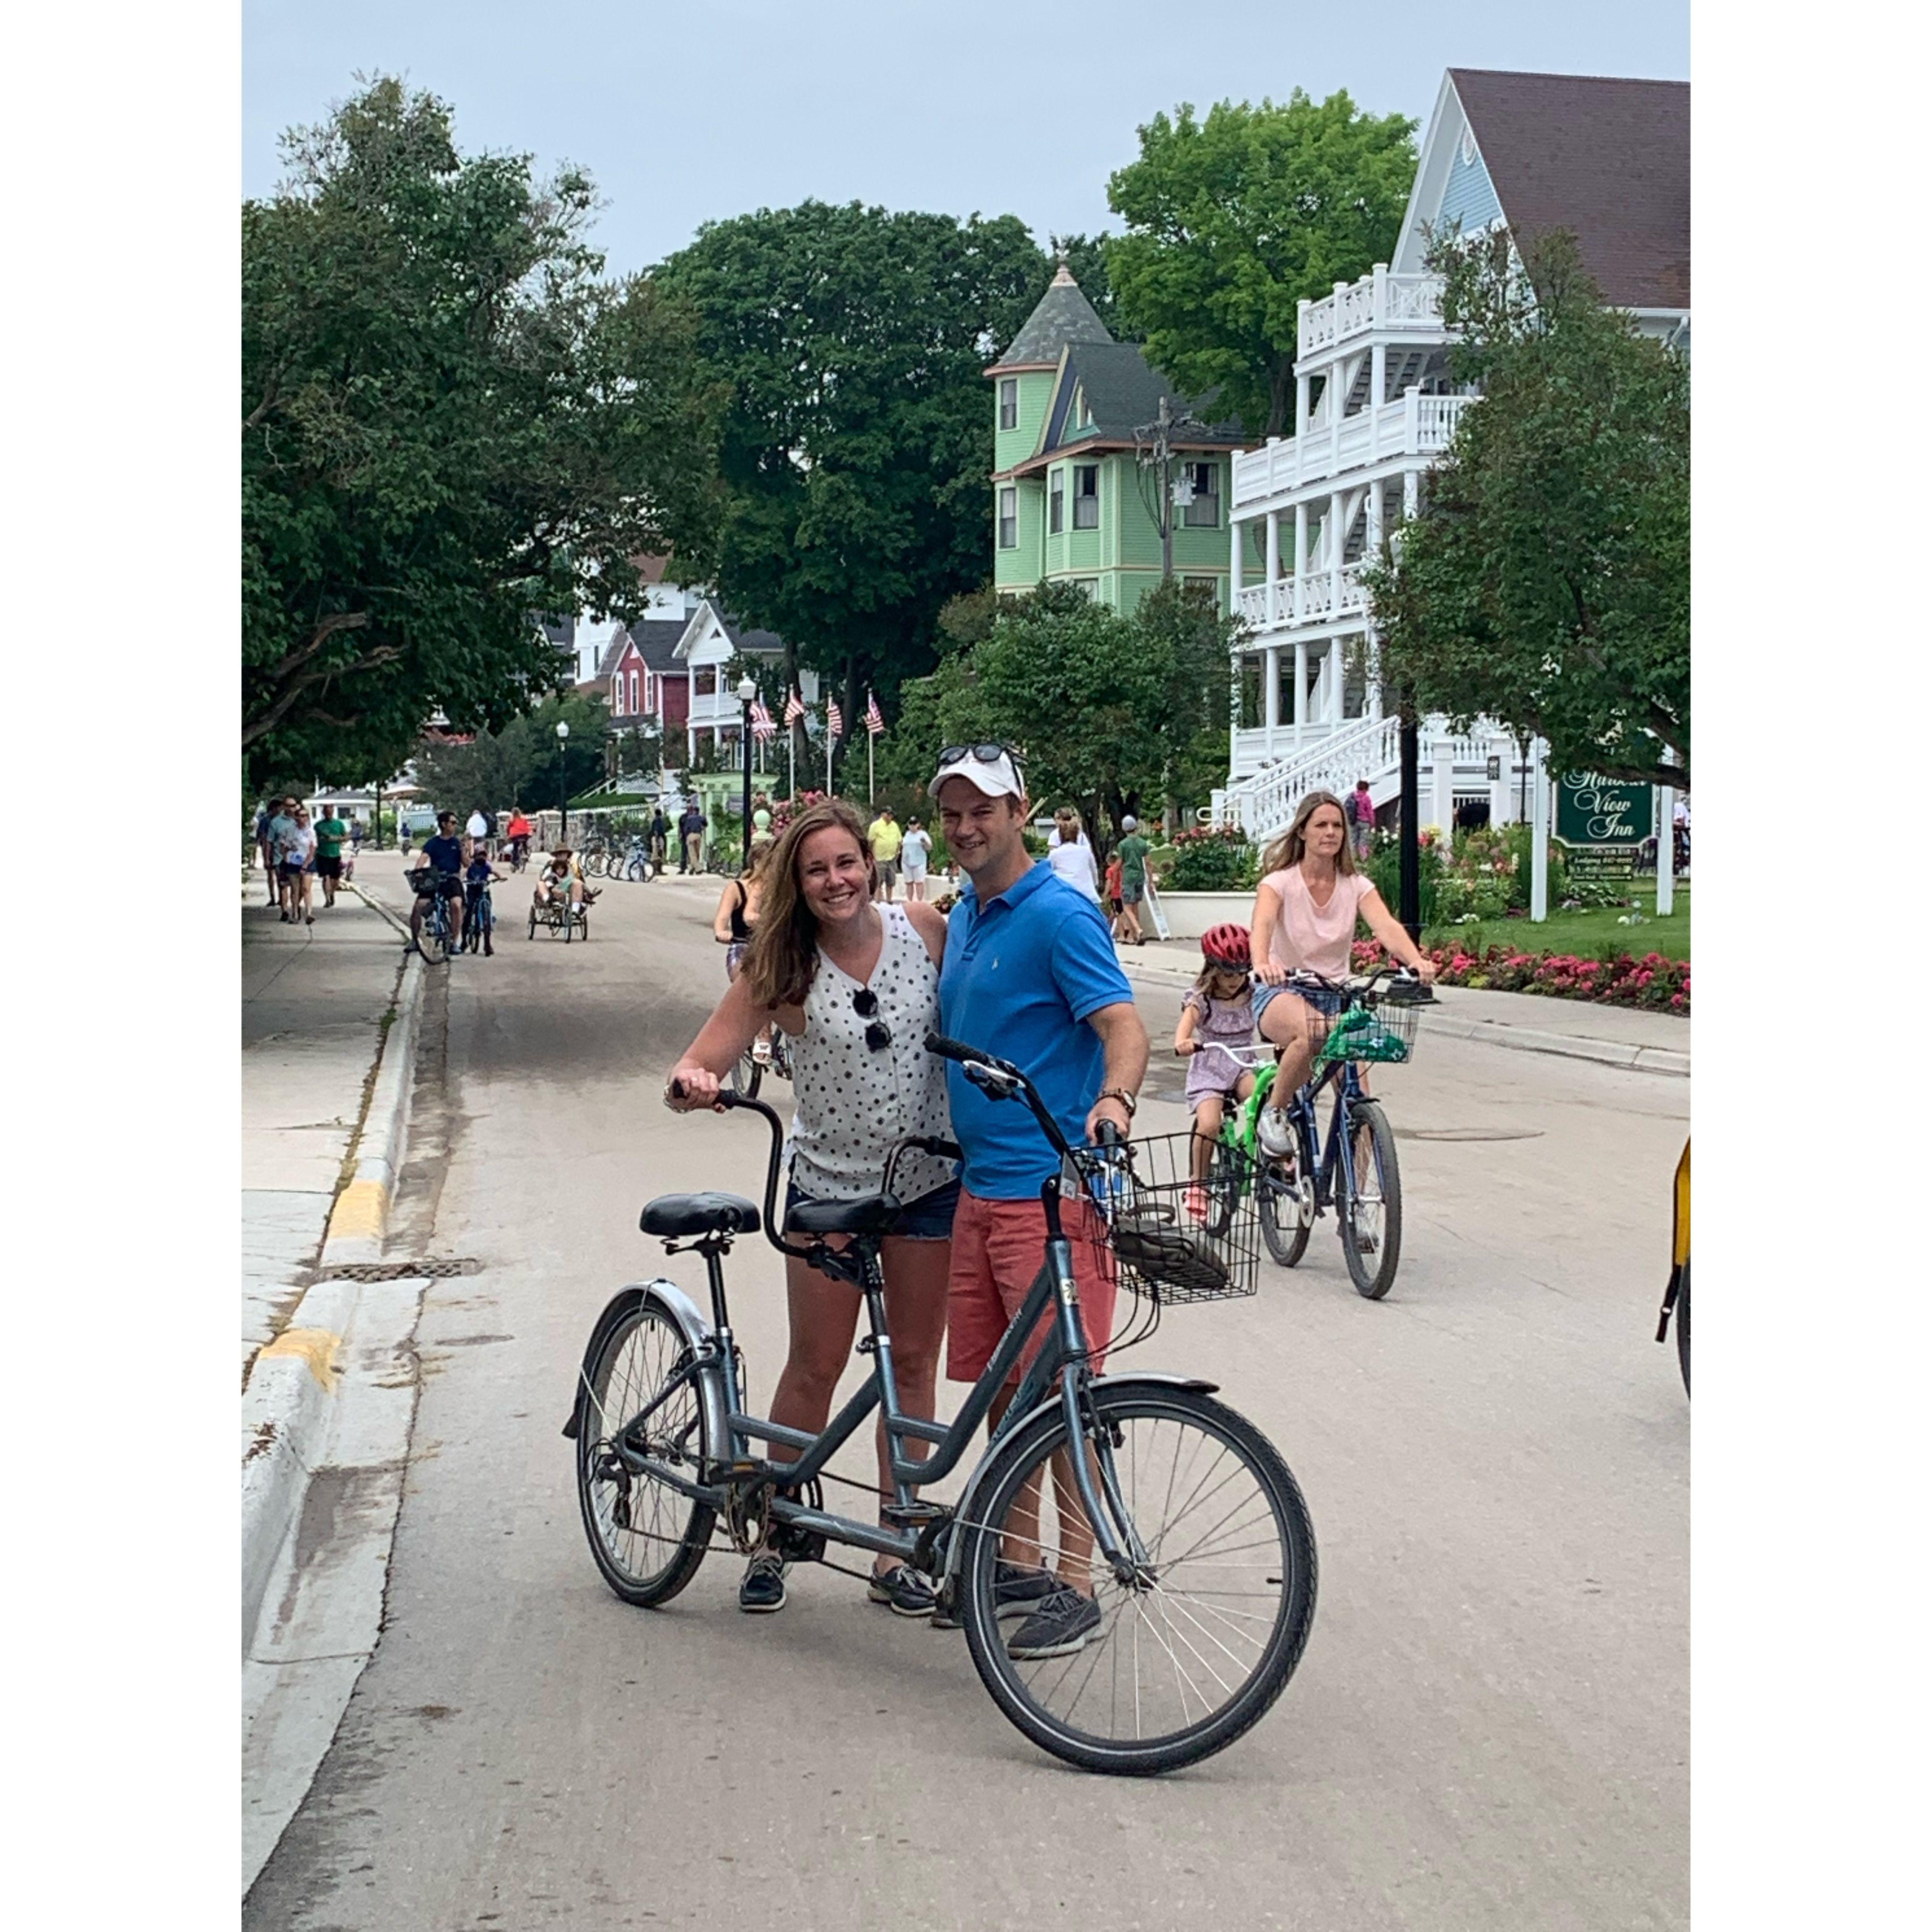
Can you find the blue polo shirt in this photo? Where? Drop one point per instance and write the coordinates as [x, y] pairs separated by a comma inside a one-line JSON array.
[[1020, 974]]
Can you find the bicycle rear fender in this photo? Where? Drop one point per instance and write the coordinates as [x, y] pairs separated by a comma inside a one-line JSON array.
[[682, 1311], [968, 1503]]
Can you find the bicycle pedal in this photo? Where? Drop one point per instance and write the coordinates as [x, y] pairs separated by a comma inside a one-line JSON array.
[[911, 1515]]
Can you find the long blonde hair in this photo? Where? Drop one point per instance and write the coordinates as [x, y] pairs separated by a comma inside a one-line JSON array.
[[783, 957], [1287, 849]]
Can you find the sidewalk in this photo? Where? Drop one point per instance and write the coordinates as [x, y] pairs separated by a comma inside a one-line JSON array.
[[313, 1000], [1528, 1022]]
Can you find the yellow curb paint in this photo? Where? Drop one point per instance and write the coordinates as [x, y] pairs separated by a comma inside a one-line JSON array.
[[362, 1208], [316, 1346]]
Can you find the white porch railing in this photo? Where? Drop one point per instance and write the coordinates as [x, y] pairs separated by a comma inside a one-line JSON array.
[[1416, 425], [1314, 598], [1379, 300], [1365, 747]]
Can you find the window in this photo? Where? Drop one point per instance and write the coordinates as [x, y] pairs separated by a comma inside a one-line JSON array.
[[1203, 511], [634, 693], [1211, 585], [1010, 520], [1056, 517], [1089, 587], [1010, 402], [1086, 495]]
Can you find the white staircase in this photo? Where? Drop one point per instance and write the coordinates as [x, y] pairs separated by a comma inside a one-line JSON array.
[[1449, 764]]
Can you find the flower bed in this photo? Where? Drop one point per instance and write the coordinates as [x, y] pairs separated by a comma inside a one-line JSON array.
[[1651, 982]]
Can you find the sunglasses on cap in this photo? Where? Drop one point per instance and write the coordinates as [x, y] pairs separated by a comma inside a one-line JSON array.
[[987, 754]]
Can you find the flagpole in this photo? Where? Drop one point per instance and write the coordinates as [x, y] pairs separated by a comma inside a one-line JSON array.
[[828, 751], [791, 746], [872, 738]]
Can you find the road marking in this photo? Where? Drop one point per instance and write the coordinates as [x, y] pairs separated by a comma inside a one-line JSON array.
[[317, 1347], [361, 1209]]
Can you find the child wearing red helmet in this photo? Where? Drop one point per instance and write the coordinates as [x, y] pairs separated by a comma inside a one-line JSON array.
[[1216, 1014]]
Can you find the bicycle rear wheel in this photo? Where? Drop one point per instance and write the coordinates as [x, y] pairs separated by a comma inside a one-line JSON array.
[[1371, 1218], [1184, 1661], [647, 1537]]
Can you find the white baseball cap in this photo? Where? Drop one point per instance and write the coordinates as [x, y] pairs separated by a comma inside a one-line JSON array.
[[989, 766]]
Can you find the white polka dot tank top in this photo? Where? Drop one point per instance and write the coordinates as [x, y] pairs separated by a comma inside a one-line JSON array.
[[854, 1100]]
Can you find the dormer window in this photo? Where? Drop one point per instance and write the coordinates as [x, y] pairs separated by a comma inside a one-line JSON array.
[[1010, 402], [1086, 495], [1203, 508]]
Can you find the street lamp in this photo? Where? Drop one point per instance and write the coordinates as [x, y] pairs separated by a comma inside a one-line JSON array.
[[562, 786], [747, 691]]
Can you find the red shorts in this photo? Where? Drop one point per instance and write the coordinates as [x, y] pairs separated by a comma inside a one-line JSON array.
[[998, 1247]]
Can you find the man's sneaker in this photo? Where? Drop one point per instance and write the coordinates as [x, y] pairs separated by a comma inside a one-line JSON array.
[[763, 1588], [907, 1593], [1017, 1592], [1061, 1625]]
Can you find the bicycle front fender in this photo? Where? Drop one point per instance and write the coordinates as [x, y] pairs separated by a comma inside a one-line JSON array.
[[683, 1313], [969, 1498]]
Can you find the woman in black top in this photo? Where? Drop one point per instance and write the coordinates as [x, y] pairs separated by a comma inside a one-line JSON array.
[[737, 914]]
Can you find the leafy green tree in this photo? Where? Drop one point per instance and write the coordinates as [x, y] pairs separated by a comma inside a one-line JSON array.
[[1111, 711], [1546, 582], [859, 437], [449, 423], [520, 764], [1233, 219]]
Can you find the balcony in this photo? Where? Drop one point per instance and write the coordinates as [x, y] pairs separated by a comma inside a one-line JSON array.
[[1314, 598], [1416, 425], [1380, 302]]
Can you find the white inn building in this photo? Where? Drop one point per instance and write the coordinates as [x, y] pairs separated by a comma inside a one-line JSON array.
[[1608, 160]]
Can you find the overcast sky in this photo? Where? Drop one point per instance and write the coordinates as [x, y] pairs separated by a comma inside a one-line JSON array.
[[697, 111]]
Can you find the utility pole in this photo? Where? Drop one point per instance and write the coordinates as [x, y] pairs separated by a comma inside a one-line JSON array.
[[1154, 449]]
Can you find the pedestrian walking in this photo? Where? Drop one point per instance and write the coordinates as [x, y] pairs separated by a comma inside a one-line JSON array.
[[884, 837], [330, 832], [1360, 810], [476, 828], [1070, 852], [659, 833], [691, 838], [855, 985], [1029, 973], [1131, 851], [915, 858], [296, 848], [357, 833], [265, 843]]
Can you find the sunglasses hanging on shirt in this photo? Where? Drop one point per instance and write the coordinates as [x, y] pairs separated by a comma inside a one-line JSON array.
[[866, 1004]]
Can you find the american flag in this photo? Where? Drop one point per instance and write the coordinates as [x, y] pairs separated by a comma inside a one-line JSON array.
[[835, 718], [794, 707], [875, 722], [762, 727]]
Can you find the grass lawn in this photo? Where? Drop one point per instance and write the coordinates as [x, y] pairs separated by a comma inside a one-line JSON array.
[[1588, 935]]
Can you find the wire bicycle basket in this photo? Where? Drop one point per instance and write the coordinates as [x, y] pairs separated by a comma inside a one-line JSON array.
[[1377, 1030], [1172, 1238]]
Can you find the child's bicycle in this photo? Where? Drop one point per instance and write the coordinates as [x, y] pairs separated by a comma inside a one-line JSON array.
[[1296, 1177], [1201, 1563]]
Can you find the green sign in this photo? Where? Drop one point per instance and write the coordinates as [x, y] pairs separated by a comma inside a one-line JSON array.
[[1594, 811]]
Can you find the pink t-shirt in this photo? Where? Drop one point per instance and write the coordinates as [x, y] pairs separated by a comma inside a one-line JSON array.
[[1315, 937]]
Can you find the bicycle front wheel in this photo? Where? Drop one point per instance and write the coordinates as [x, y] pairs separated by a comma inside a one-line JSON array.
[[1285, 1221], [1371, 1217], [434, 939], [745, 1076], [648, 1538], [1179, 1663]]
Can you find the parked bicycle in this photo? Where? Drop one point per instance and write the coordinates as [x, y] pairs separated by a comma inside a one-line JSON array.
[[1295, 1175], [636, 864], [1205, 1569]]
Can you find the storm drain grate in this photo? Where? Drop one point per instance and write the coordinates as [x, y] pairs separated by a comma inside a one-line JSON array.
[[444, 1266]]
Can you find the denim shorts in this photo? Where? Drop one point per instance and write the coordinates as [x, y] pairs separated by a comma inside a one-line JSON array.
[[1323, 999], [927, 1219]]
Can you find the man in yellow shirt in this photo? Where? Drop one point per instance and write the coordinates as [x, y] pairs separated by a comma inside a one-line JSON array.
[[885, 837]]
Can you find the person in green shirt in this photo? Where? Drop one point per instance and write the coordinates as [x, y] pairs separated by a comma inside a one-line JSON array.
[[1133, 854], [329, 834]]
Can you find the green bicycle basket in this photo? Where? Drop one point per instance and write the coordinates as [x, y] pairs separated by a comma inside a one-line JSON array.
[[1364, 1035]]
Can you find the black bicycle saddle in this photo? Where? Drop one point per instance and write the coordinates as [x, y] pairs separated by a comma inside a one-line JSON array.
[[677, 1216]]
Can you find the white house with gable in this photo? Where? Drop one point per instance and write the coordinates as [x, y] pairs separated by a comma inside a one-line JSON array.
[[1375, 407]]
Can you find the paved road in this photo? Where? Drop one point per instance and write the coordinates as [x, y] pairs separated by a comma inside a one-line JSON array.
[[1490, 1727]]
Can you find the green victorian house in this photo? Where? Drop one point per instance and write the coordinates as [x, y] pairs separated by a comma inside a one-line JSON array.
[[1073, 501]]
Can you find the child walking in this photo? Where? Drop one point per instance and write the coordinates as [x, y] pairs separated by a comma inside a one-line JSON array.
[[1217, 1014]]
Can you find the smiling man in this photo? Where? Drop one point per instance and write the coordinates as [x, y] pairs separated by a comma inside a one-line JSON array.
[[1030, 974]]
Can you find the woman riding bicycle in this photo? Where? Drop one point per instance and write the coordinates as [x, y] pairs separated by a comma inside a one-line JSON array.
[[856, 986], [1305, 908], [737, 919]]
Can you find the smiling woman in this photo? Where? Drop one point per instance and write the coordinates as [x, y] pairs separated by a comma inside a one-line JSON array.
[[856, 985]]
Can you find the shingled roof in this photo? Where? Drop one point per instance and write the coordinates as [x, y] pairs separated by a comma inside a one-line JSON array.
[[1608, 159], [1122, 391], [1063, 315]]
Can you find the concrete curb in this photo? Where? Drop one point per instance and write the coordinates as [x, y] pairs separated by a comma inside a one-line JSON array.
[[288, 1405], [360, 1218]]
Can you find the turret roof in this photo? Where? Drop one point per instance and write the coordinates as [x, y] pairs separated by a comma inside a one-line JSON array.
[[1061, 316]]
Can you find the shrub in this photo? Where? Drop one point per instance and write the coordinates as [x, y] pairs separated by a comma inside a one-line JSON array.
[[1213, 861], [1652, 982], [1385, 869]]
